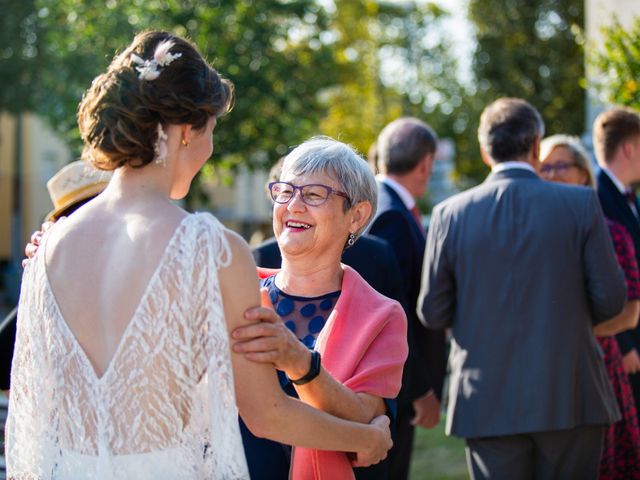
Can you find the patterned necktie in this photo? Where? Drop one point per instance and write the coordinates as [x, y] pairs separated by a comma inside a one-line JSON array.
[[630, 195]]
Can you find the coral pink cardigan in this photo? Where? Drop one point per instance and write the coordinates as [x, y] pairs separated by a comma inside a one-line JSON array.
[[363, 346]]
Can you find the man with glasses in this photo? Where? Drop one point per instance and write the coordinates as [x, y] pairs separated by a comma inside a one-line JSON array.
[[616, 140], [405, 152]]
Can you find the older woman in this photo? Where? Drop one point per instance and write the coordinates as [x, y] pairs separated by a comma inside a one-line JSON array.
[[564, 159], [340, 345]]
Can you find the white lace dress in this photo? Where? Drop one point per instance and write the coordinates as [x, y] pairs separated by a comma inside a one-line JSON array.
[[164, 408]]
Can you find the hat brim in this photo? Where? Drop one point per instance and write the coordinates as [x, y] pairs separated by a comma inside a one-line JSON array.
[[84, 193]]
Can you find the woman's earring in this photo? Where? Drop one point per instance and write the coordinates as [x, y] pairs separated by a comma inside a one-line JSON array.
[[351, 240], [185, 143]]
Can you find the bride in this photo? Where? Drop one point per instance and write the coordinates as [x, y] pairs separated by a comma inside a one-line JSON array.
[[122, 367]]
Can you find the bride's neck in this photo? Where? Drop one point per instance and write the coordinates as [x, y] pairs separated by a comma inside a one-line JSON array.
[[150, 182]]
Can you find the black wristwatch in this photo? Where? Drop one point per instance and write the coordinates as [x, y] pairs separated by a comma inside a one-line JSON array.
[[314, 370]]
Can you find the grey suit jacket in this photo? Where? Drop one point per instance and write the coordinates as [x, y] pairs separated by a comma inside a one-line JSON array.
[[521, 269]]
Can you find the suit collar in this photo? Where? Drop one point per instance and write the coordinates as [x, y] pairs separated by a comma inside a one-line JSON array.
[[513, 173], [393, 196], [499, 167], [614, 180], [401, 192]]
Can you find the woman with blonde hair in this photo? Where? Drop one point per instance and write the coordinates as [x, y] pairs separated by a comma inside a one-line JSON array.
[[564, 159]]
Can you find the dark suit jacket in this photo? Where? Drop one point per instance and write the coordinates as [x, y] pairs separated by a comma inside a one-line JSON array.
[[521, 269], [7, 341], [615, 207], [426, 365], [371, 257]]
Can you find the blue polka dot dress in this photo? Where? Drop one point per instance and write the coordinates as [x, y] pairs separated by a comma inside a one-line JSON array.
[[304, 316]]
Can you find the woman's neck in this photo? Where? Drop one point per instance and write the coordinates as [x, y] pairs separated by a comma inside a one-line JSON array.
[[309, 280], [149, 182]]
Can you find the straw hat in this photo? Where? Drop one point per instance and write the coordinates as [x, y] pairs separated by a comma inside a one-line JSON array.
[[74, 183]]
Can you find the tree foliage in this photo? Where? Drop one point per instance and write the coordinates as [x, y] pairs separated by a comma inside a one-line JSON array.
[[270, 50], [531, 49], [619, 65], [300, 67]]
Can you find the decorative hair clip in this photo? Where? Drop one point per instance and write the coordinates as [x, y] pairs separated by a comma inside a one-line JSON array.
[[161, 58], [160, 147]]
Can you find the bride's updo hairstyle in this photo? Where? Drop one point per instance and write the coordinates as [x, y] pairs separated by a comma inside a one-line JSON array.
[[160, 79]]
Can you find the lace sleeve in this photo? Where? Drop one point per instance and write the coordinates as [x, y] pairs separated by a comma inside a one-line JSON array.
[[227, 457], [29, 402]]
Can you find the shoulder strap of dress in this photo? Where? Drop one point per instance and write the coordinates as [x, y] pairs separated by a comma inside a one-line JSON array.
[[212, 233]]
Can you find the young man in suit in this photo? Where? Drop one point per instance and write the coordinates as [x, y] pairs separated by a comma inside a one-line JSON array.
[[405, 152], [616, 140], [528, 388]]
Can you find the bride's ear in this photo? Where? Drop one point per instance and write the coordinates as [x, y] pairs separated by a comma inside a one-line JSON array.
[[186, 133]]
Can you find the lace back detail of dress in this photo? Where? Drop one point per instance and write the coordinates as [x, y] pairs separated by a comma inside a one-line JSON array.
[[164, 408]]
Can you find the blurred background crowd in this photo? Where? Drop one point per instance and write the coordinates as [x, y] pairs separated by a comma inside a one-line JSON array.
[[343, 68]]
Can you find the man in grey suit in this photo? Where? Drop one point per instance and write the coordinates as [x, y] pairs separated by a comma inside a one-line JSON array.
[[521, 270]]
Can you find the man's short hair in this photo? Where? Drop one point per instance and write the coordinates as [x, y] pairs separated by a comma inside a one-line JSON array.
[[508, 128], [611, 129], [402, 144]]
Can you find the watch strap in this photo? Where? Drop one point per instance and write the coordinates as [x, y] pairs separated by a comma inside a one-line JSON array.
[[314, 370]]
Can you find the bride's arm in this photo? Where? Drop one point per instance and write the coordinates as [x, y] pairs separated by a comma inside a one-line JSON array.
[[265, 408]]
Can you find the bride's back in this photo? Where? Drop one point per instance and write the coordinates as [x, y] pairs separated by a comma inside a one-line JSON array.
[[106, 258], [121, 366]]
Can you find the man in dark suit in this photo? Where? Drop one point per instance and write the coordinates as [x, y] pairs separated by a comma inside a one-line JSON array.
[[405, 151], [521, 270], [616, 140]]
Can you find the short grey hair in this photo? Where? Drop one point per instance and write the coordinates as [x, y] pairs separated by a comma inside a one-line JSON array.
[[508, 128], [580, 155], [342, 163]]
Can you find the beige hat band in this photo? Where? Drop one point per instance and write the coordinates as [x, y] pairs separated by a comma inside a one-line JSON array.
[[82, 192]]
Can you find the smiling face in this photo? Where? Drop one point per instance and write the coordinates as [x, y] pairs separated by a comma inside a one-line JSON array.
[[304, 229]]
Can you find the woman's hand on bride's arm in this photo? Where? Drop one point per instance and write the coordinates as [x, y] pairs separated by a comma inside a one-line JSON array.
[[270, 341], [34, 243], [380, 445]]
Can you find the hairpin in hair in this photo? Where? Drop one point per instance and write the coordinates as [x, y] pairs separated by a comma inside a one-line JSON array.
[[160, 147], [161, 58]]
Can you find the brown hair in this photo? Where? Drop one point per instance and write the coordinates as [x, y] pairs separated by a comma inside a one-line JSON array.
[[611, 129], [120, 113], [402, 144], [508, 128]]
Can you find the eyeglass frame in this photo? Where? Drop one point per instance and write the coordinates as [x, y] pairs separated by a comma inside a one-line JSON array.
[[329, 190], [558, 168]]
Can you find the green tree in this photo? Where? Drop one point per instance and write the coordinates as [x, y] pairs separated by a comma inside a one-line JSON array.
[[531, 49], [395, 59], [619, 65], [270, 49]]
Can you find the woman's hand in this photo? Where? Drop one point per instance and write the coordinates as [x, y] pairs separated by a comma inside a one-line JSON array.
[[34, 243], [270, 341], [380, 445]]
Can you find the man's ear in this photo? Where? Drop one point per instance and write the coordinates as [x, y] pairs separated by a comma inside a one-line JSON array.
[[426, 163], [535, 152], [486, 158]]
